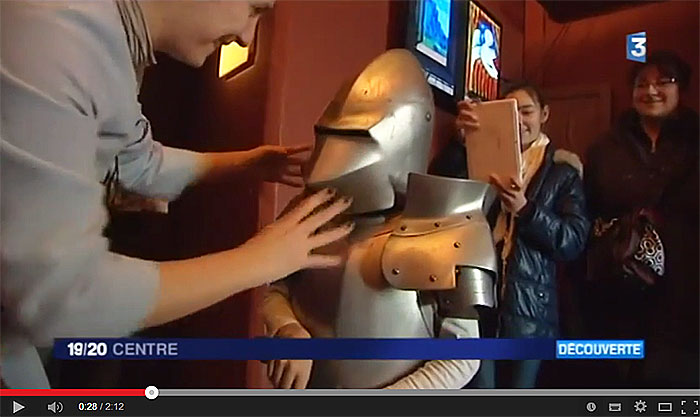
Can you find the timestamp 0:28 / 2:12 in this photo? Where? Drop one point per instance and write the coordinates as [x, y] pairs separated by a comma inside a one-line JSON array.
[[100, 406]]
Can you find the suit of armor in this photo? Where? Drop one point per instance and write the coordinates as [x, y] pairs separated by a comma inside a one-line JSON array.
[[421, 257]]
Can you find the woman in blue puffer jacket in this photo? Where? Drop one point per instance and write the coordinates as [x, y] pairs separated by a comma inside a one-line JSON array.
[[540, 221]]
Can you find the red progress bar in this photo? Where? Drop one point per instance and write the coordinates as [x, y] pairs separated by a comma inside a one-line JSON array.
[[73, 392]]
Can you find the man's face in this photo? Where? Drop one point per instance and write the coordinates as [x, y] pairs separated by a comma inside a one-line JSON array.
[[654, 94], [206, 25]]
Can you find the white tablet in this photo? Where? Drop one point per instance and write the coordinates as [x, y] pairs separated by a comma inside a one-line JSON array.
[[495, 147]]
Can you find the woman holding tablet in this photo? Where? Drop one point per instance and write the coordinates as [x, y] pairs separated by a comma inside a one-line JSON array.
[[541, 220]]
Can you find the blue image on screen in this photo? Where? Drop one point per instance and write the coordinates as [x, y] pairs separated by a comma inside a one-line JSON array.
[[435, 33]]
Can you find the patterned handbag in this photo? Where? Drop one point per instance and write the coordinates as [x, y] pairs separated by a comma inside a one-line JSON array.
[[629, 246]]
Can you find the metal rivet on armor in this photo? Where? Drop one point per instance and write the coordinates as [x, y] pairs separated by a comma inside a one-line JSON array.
[[403, 228], [436, 224], [395, 271], [433, 278], [457, 244], [428, 116]]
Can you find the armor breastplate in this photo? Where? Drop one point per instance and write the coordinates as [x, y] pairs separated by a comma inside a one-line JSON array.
[[443, 246], [356, 302]]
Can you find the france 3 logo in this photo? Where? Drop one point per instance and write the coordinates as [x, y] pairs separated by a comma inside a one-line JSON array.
[[637, 47]]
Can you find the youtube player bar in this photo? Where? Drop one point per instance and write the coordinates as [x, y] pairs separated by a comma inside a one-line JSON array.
[[179, 402]]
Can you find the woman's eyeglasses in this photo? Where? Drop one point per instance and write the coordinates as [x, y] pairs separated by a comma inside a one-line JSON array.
[[661, 83]]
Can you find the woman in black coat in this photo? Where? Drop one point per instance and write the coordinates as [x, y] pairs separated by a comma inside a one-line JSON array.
[[540, 221], [649, 160]]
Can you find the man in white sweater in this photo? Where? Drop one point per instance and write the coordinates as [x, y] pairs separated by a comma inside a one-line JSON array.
[[71, 122]]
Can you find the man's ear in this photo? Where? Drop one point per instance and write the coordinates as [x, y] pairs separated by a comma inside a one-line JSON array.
[[545, 114]]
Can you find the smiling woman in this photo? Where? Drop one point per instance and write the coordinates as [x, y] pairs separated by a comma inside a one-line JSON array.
[[541, 220], [657, 88], [648, 163]]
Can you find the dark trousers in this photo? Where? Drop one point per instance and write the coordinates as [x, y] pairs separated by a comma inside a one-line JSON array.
[[502, 374]]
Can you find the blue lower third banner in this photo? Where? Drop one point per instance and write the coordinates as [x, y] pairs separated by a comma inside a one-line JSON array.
[[328, 348]]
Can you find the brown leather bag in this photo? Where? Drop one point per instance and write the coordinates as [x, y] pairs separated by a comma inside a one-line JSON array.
[[626, 247]]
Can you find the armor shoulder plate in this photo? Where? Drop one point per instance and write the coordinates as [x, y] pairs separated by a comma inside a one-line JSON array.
[[427, 254]]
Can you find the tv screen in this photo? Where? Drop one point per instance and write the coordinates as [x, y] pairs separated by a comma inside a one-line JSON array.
[[436, 36], [483, 61], [434, 30]]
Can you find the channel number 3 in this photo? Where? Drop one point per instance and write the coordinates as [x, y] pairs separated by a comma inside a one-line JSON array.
[[639, 48]]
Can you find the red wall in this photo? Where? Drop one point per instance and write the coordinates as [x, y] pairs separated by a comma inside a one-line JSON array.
[[317, 46], [592, 51]]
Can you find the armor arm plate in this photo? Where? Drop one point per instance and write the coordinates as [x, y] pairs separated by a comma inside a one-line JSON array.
[[474, 287]]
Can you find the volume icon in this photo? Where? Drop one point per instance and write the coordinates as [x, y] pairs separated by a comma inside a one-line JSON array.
[[55, 407]]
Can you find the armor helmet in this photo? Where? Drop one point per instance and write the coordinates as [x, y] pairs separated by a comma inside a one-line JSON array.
[[376, 130]]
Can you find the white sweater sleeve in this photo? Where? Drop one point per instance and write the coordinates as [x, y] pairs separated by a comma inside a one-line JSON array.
[[150, 169], [444, 374]]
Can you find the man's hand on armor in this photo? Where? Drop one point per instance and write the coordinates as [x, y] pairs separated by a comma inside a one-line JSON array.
[[280, 164], [290, 373], [512, 194], [287, 245]]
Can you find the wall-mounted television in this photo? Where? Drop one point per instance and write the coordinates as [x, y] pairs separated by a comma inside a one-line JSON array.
[[436, 34], [483, 63]]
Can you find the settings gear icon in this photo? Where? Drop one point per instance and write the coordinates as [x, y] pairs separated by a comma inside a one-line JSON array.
[[640, 406]]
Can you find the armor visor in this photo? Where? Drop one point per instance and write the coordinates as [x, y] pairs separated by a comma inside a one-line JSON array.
[[351, 162]]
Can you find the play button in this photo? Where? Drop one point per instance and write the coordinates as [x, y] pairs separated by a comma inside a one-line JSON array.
[[16, 407]]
